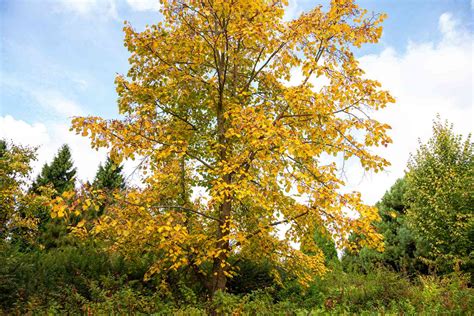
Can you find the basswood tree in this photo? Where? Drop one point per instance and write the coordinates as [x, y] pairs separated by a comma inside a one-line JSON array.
[[211, 102]]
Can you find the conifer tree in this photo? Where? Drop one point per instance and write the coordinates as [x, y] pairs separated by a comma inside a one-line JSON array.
[[60, 174], [402, 248], [325, 242], [109, 176]]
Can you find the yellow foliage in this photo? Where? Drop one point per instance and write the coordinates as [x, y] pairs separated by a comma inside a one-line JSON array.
[[207, 103]]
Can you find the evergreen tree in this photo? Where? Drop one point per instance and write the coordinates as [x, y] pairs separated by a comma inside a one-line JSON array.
[[109, 176], [402, 248], [3, 147], [60, 174], [324, 241]]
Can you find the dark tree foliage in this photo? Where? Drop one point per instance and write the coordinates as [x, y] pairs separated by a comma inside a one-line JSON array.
[[3, 147], [60, 174], [402, 248], [324, 241], [109, 176], [251, 276]]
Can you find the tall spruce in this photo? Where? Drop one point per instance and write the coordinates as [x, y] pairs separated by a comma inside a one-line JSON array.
[[109, 176], [60, 174], [402, 248]]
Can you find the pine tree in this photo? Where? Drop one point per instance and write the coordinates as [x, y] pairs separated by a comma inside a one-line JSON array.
[[402, 248], [3, 147], [109, 176], [60, 174]]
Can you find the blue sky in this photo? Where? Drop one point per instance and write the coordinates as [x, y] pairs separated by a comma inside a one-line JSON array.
[[58, 58]]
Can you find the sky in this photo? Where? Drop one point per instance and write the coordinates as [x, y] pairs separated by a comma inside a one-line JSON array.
[[59, 58]]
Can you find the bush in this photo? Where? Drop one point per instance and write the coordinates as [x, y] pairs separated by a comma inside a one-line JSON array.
[[84, 280]]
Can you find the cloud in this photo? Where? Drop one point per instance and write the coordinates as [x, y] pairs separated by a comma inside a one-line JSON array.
[[23, 133], [104, 8], [429, 78], [56, 102], [144, 5], [82, 7], [86, 8], [49, 138]]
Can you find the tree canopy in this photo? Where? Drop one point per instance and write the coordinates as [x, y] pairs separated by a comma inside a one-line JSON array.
[[210, 102], [440, 195]]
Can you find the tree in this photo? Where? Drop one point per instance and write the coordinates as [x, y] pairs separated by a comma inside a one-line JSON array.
[[209, 102], [16, 217], [109, 176], [60, 174], [324, 242], [440, 183], [401, 247]]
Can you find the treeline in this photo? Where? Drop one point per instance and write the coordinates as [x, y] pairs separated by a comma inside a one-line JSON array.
[[49, 265]]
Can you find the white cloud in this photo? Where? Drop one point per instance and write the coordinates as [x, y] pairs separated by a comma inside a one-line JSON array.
[[23, 133], [447, 25], [85, 8], [53, 102], [49, 138], [80, 6], [428, 79], [56, 102], [144, 5]]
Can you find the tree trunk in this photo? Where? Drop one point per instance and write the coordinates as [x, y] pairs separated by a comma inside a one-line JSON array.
[[219, 278]]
